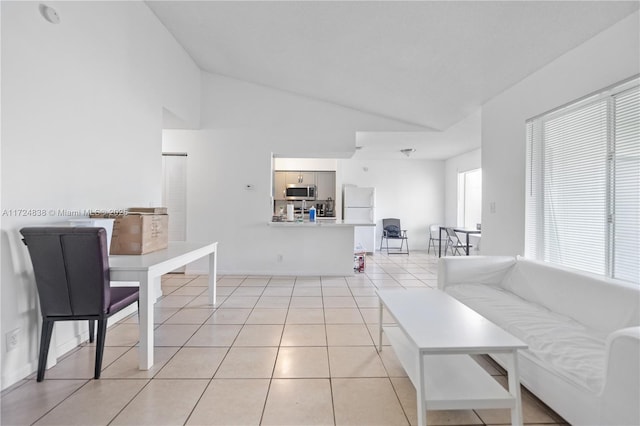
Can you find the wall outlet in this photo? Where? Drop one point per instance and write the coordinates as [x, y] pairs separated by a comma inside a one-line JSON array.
[[12, 339], [492, 207]]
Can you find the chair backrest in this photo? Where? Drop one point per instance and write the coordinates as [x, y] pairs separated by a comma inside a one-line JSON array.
[[392, 227], [452, 235], [434, 232], [71, 267]]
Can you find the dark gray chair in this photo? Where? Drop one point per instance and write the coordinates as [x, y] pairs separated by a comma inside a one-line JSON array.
[[71, 268], [391, 230]]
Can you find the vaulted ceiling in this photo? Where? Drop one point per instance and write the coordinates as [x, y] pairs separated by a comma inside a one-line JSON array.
[[426, 63]]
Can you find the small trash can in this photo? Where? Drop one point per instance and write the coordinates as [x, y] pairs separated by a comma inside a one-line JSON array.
[[359, 258]]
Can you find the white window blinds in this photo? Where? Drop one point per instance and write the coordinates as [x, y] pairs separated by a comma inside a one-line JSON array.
[[583, 179], [626, 182]]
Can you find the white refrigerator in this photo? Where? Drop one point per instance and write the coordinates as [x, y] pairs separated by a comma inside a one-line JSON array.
[[359, 205]]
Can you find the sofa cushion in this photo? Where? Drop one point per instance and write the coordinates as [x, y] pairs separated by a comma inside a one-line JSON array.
[[490, 270], [569, 348], [587, 298]]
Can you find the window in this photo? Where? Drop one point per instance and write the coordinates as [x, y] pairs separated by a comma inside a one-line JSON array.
[[583, 184]]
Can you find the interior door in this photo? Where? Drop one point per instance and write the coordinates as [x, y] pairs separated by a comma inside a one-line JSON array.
[[174, 195]]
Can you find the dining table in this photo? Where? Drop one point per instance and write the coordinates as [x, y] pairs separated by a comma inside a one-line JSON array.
[[466, 231], [147, 270]]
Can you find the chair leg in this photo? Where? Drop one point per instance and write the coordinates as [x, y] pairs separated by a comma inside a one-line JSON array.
[[407, 246], [92, 330], [102, 334], [45, 341]]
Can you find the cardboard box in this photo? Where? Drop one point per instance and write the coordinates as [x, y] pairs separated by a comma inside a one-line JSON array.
[[154, 210], [139, 233]]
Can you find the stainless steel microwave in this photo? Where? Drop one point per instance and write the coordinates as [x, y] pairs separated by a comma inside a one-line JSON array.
[[295, 192]]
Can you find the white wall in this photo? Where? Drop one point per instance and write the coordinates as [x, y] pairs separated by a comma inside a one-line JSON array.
[[458, 164], [82, 110], [243, 125], [297, 164], [292, 125], [410, 190], [607, 58]]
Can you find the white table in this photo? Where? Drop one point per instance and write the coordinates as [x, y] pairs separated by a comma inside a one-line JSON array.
[[147, 269], [465, 231], [433, 337]]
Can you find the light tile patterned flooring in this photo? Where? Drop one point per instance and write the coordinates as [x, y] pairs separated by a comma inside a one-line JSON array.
[[275, 351]]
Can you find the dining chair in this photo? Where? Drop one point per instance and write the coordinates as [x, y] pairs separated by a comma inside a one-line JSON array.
[[434, 235], [71, 268], [453, 242], [391, 230]]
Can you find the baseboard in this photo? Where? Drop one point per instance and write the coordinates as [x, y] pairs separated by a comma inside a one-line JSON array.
[[14, 376], [301, 273], [61, 349]]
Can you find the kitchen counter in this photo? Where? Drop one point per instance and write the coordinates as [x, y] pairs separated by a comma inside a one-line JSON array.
[[317, 248], [320, 223]]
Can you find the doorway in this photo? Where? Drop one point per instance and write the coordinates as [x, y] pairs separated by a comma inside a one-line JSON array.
[[470, 198], [174, 195]]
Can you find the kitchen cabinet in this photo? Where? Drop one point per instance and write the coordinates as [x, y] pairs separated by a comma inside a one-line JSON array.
[[279, 185], [326, 185], [325, 182], [281, 179], [303, 178]]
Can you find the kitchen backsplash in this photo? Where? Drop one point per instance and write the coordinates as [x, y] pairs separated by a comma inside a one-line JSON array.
[[297, 205]]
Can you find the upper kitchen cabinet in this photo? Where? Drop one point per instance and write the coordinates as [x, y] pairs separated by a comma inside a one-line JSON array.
[[279, 185], [283, 178], [303, 178], [326, 184]]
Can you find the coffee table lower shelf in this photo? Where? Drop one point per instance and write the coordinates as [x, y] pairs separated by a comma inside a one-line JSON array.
[[451, 381]]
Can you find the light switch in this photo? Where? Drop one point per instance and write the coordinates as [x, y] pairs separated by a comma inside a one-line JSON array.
[[492, 207]]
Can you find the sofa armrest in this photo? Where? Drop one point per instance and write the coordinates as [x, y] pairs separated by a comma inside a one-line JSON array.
[[473, 270], [621, 391]]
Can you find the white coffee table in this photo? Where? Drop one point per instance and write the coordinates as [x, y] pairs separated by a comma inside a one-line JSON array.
[[433, 337]]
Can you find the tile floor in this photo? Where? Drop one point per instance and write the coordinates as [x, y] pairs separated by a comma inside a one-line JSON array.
[[275, 351]]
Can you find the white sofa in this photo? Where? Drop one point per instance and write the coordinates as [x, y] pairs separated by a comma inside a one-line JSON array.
[[583, 332]]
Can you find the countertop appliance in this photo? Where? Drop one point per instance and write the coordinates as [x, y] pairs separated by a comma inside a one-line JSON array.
[[328, 208], [298, 192], [358, 205]]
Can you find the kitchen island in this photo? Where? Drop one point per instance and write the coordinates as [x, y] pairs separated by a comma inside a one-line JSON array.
[[324, 247]]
